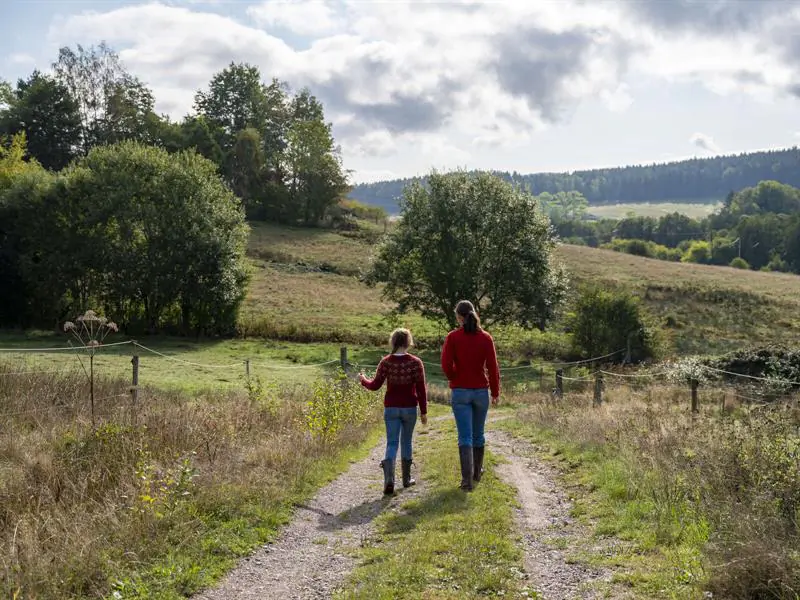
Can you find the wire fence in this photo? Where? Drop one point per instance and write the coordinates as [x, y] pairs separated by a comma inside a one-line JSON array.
[[551, 377]]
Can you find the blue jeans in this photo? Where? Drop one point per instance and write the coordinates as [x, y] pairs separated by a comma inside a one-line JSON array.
[[399, 429], [470, 407]]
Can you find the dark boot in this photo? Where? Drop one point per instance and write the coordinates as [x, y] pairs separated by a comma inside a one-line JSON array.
[[388, 476], [465, 454], [407, 481], [477, 459]]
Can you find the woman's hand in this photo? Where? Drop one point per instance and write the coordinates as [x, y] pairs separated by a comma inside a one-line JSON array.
[[424, 419], [361, 378], [495, 400]]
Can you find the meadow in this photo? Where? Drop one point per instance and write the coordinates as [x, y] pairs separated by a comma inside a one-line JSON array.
[[197, 472], [696, 210]]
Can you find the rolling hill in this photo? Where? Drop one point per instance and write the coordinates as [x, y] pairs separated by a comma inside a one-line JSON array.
[[699, 180]]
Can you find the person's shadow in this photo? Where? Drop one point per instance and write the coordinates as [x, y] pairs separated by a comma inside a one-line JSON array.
[[355, 515], [429, 508]]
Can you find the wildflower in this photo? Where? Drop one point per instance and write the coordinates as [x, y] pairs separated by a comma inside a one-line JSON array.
[[69, 326]]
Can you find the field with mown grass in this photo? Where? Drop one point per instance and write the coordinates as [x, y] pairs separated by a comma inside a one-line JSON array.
[[696, 210]]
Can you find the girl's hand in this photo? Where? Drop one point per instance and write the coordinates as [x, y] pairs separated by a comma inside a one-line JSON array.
[[424, 419], [361, 378], [495, 400]]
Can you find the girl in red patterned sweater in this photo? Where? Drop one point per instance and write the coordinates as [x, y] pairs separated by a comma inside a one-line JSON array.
[[404, 375]]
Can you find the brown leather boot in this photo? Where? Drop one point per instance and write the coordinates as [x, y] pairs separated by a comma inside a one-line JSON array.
[[465, 455], [407, 481], [477, 460]]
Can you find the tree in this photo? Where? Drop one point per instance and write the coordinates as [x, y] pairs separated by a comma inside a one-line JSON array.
[[236, 100], [155, 238], [112, 104], [604, 322], [316, 180], [474, 237], [245, 168], [43, 108]]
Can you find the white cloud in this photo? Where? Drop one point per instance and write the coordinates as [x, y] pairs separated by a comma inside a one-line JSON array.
[[21, 59], [304, 17], [425, 73], [705, 142]]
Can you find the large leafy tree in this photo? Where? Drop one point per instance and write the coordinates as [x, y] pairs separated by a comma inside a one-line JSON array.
[[236, 99], [44, 109], [316, 178], [156, 238], [472, 236], [113, 105]]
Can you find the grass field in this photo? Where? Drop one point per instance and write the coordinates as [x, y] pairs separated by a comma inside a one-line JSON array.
[[695, 210], [703, 309]]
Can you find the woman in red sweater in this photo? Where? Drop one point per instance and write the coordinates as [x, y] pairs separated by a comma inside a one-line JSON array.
[[404, 375], [469, 361]]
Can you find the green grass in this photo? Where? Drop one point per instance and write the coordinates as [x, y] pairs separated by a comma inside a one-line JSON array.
[[308, 292], [158, 501], [701, 308], [226, 531], [446, 544], [696, 210]]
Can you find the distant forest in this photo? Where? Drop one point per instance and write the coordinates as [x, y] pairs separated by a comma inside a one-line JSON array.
[[694, 180]]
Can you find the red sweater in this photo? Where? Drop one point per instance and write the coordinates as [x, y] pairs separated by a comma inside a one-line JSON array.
[[470, 361], [405, 377]]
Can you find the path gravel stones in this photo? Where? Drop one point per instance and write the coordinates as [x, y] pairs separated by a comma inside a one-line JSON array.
[[314, 554], [548, 533]]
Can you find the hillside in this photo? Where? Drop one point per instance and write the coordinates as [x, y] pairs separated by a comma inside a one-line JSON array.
[[699, 180], [305, 287]]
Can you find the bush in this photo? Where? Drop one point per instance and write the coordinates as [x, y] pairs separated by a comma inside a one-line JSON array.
[[698, 252], [740, 263], [644, 248], [604, 322]]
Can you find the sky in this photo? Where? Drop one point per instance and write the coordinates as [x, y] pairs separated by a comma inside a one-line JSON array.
[[515, 85]]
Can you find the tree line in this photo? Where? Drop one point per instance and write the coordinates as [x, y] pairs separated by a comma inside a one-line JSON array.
[[694, 180], [272, 146], [106, 204], [757, 227]]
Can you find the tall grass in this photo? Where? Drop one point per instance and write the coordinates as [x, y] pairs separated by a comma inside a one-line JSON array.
[[714, 498], [160, 498]]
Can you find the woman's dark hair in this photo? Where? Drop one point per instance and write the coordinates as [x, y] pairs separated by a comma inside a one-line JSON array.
[[465, 309], [401, 338]]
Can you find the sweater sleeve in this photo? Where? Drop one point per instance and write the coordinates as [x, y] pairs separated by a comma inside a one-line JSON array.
[[380, 376], [448, 359], [494, 369], [422, 390]]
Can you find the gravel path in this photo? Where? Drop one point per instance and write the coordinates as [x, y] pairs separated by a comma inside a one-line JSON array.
[[544, 523], [313, 554]]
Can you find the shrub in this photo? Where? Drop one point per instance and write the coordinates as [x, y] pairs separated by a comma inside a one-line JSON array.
[[698, 252], [604, 322], [740, 263]]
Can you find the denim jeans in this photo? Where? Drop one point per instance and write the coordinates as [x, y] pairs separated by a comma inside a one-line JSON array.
[[470, 407], [399, 429]]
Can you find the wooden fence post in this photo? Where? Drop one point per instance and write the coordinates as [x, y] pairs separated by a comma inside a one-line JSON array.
[[135, 379], [247, 369], [598, 389], [695, 401], [559, 382], [343, 358]]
